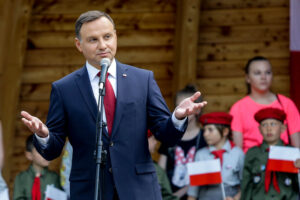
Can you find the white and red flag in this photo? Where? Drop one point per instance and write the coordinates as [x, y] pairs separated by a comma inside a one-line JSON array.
[[295, 51], [282, 159], [206, 172], [52, 193]]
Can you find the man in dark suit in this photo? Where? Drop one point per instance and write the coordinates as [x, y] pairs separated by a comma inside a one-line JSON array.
[[129, 173]]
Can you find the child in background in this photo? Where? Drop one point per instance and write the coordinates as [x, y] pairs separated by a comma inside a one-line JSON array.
[[217, 134], [174, 159], [258, 183], [3, 186], [163, 180], [31, 184]]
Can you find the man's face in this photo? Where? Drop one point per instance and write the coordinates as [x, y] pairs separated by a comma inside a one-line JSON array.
[[271, 130], [98, 41]]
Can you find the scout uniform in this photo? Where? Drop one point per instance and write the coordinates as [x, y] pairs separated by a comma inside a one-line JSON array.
[[24, 182], [232, 161], [254, 184]]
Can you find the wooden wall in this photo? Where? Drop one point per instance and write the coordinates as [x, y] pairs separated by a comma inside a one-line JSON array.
[[214, 37], [145, 39], [231, 32]]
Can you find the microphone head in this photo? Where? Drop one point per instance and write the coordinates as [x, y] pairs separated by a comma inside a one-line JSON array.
[[105, 62]]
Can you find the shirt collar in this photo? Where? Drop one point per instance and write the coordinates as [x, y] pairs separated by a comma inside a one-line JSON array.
[[32, 171], [226, 147], [264, 145], [93, 71]]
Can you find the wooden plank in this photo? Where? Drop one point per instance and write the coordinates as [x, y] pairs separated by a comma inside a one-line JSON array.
[[70, 56], [16, 16], [36, 108], [244, 34], [228, 4], [125, 38], [123, 21], [235, 68], [217, 103], [225, 86], [41, 92], [112, 6], [48, 74], [185, 59], [244, 51], [245, 16]]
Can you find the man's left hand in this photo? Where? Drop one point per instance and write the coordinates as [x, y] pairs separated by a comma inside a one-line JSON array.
[[189, 107]]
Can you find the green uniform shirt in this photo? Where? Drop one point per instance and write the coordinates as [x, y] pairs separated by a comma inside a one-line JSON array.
[[253, 182], [24, 181], [164, 183]]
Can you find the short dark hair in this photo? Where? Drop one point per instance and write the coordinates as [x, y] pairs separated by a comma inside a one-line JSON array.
[[221, 127], [256, 58], [29, 143], [189, 89], [88, 17]]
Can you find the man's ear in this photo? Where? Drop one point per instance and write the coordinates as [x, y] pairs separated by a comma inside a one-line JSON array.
[[78, 44], [28, 155]]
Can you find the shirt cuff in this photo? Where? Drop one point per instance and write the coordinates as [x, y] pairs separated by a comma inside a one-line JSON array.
[[43, 141], [179, 124]]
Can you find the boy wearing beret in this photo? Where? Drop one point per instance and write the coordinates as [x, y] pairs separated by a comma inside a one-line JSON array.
[[217, 134], [258, 182]]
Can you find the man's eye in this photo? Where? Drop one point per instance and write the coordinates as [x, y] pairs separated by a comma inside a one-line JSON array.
[[107, 36], [92, 39]]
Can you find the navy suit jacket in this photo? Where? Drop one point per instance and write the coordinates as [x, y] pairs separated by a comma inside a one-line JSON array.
[[139, 106]]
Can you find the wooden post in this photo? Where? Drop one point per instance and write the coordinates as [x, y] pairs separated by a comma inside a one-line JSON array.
[[13, 35], [186, 43]]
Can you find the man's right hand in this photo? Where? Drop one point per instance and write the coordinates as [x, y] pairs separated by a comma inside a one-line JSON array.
[[35, 124]]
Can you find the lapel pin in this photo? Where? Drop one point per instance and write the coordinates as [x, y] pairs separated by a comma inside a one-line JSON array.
[[124, 75]]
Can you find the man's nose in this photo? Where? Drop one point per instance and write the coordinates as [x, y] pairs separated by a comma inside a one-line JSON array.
[[101, 44]]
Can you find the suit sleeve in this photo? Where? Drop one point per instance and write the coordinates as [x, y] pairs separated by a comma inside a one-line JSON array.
[[56, 126], [159, 117]]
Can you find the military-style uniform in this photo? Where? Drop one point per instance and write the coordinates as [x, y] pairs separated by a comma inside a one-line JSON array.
[[232, 167], [253, 182]]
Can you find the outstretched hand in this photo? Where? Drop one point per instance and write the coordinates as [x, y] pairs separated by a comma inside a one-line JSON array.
[[34, 124], [189, 107]]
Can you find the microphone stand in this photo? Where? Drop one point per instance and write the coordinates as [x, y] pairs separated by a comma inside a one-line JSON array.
[[100, 153]]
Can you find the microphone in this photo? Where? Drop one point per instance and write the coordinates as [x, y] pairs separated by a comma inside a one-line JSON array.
[[104, 63]]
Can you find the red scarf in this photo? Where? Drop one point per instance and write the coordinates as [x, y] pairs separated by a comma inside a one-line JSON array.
[[219, 153], [36, 189], [268, 176]]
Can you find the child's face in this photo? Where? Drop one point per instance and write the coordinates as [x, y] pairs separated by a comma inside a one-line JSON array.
[[212, 135], [36, 158], [271, 130]]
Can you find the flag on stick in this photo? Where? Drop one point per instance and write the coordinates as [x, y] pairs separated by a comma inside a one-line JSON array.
[[206, 172], [282, 159]]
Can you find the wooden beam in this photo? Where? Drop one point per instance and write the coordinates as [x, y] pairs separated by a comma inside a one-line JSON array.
[[14, 37], [186, 42]]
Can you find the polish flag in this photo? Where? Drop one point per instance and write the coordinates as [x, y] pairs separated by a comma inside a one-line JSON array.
[[295, 51], [282, 159], [53, 193], [206, 172]]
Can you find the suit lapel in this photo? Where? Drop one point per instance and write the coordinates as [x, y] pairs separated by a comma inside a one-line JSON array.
[[122, 84], [84, 85]]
